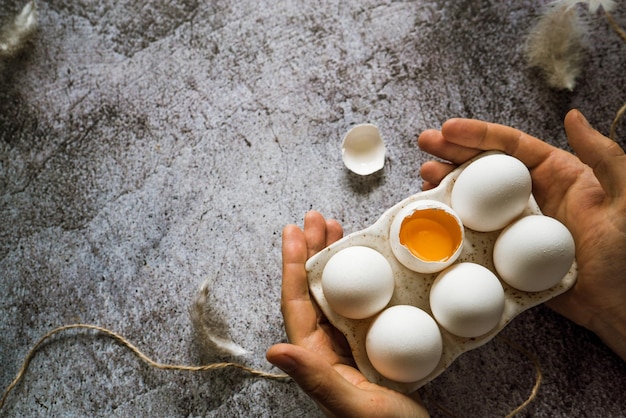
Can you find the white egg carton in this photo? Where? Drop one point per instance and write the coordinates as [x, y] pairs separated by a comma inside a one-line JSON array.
[[412, 288]]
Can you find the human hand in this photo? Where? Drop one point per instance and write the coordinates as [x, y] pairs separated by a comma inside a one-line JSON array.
[[319, 359], [586, 192]]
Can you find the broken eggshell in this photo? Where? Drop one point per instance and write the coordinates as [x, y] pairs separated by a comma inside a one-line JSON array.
[[363, 149], [437, 241]]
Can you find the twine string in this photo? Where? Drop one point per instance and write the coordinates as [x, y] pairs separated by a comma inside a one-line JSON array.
[[223, 365], [618, 116], [538, 375], [144, 358], [615, 26], [533, 393], [622, 33]]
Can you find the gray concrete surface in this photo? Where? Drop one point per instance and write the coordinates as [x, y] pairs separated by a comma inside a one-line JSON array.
[[148, 146]]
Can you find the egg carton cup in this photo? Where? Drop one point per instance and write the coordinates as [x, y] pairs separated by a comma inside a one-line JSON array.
[[412, 288]]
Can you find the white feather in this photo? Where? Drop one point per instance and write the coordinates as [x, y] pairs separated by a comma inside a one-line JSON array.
[[15, 34], [555, 45], [210, 331], [593, 5]]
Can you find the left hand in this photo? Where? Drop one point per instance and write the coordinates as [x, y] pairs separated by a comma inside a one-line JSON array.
[[319, 359]]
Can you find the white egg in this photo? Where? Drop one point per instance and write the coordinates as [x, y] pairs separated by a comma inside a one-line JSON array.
[[491, 192], [404, 343], [467, 299], [357, 282], [534, 253], [426, 236]]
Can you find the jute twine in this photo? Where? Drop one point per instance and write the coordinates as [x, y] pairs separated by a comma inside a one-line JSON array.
[[223, 365], [523, 405], [622, 110], [124, 342]]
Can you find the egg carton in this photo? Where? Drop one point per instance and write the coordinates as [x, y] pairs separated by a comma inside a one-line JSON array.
[[412, 288]]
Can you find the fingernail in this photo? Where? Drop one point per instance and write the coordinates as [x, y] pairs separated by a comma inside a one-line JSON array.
[[583, 119]]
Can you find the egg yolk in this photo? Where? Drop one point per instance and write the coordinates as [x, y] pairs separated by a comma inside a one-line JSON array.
[[430, 234]]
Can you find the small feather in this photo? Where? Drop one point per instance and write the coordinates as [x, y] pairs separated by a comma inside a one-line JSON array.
[[593, 5], [15, 34], [556, 45], [607, 5], [210, 331]]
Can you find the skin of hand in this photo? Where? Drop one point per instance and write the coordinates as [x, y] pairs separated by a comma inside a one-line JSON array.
[[318, 357], [586, 192]]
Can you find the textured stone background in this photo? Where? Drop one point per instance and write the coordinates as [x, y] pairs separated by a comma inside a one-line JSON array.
[[148, 146]]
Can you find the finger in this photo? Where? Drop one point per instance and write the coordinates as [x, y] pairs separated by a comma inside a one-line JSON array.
[[298, 311], [491, 136], [341, 390], [434, 143], [314, 232], [432, 172], [318, 379], [334, 231], [602, 154], [427, 186]]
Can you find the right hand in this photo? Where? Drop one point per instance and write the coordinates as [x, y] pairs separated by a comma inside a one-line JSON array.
[[586, 192]]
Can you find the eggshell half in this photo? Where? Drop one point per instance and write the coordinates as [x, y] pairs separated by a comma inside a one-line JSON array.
[[410, 260], [363, 149]]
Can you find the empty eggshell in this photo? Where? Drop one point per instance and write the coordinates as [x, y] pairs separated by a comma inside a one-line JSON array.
[[403, 343], [491, 192], [426, 236], [357, 282], [467, 299], [534, 253], [363, 149]]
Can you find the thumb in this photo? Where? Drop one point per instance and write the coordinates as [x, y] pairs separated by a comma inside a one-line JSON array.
[[602, 154], [318, 379]]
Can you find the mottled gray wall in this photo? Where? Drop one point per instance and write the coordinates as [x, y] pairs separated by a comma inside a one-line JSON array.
[[148, 146]]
